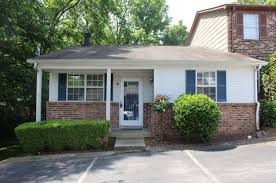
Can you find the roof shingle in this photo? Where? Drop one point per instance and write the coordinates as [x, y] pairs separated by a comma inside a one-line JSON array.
[[174, 53]]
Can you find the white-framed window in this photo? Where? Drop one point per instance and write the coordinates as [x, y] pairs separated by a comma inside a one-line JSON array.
[[85, 87], [95, 87], [75, 87], [251, 26], [206, 83]]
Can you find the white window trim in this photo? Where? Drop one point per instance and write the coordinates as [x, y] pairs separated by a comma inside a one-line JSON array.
[[85, 87], [216, 98], [257, 27]]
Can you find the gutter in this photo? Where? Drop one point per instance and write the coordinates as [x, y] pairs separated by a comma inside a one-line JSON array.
[[257, 69]]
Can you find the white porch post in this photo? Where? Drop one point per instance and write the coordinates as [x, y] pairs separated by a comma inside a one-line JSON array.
[[108, 93], [38, 93]]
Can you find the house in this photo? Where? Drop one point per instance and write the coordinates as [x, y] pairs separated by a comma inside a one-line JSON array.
[[245, 29], [118, 83]]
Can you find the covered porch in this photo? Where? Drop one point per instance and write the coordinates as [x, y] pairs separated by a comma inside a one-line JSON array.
[[121, 96]]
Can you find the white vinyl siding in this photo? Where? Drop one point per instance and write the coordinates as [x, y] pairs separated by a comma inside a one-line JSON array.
[[211, 32], [144, 75], [251, 26], [239, 89]]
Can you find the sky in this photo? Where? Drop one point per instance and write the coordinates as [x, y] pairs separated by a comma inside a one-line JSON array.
[[186, 9]]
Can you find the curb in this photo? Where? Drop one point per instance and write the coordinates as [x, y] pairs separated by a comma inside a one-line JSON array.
[[148, 149], [58, 156]]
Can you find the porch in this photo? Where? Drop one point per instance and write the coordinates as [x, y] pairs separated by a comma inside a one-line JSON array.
[[119, 95]]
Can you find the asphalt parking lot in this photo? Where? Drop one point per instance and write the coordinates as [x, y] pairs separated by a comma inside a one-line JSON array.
[[247, 163]]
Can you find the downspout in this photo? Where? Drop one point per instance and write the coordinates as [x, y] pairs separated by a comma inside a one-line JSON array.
[[257, 68]]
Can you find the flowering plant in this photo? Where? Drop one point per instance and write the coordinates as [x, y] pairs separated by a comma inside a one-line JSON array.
[[161, 103]]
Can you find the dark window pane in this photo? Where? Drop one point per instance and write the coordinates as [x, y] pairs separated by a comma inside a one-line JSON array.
[[100, 77], [206, 90], [199, 74]]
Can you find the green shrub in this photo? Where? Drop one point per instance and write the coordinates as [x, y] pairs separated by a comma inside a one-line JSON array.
[[161, 103], [196, 117], [269, 78], [268, 113], [62, 135]]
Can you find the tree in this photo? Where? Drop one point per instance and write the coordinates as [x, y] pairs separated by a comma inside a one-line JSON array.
[[257, 2], [269, 78], [175, 34], [120, 24], [23, 26], [150, 17]]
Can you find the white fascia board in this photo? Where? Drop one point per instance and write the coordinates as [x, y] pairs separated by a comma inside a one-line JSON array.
[[139, 64]]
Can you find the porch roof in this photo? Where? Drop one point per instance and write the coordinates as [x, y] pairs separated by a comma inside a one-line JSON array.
[[151, 53]]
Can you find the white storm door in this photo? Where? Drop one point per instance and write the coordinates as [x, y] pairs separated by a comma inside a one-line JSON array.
[[131, 106]]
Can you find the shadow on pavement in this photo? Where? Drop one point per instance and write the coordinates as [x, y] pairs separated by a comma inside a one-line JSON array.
[[43, 170]]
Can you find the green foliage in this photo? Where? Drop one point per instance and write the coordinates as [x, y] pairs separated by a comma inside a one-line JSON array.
[[161, 103], [23, 26], [196, 117], [257, 2], [150, 19], [268, 113], [62, 135], [175, 34], [269, 78]]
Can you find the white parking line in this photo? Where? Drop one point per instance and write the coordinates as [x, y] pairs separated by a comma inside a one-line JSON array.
[[202, 168], [87, 170]]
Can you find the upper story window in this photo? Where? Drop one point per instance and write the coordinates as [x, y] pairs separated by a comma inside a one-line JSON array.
[[206, 84], [251, 26], [82, 87]]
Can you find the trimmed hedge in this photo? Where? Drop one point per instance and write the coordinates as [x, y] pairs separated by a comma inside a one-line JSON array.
[[197, 117], [62, 135], [268, 113]]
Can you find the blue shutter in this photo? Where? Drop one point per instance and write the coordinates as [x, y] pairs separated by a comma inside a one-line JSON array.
[[62, 82], [221, 86], [190, 81], [111, 97]]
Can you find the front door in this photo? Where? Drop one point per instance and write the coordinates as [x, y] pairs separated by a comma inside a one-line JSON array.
[[131, 106]]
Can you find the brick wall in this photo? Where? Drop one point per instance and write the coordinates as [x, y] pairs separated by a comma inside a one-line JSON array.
[[238, 121], [147, 114], [259, 49], [82, 110]]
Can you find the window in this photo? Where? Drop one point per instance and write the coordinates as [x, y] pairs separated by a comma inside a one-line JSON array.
[[206, 84], [83, 87], [251, 26], [75, 87], [95, 88]]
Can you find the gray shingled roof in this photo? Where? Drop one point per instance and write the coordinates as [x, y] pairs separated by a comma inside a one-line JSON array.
[[168, 53]]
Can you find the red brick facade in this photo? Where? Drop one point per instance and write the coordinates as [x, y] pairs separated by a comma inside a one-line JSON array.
[[82, 110], [89, 110], [259, 49], [238, 120]]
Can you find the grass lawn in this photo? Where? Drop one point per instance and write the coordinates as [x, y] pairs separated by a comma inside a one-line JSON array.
[[10, 148]]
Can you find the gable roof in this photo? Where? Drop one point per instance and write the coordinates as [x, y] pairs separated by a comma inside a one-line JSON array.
[[136, 53], [223, 8]]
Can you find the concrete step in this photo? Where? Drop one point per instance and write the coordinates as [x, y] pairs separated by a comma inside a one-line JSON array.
[[129, 144], [130, 134]]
